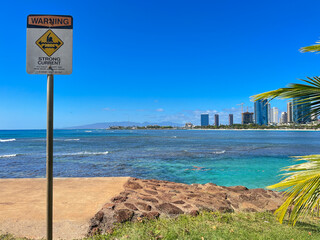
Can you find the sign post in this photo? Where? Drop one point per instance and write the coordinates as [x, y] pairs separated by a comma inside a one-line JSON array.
[[49, 51]]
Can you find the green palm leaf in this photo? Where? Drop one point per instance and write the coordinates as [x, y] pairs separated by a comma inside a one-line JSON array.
[[302, 188], [313, 48], [301, 183], [308, 94]]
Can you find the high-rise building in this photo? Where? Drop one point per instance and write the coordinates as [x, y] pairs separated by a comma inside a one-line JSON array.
[[269, 113], [314, 117], [274, 115], [204, 119], [230, 119], [247, 117], [284, 117], [289, 112], [216, 120], [301, 112], [261, 112]]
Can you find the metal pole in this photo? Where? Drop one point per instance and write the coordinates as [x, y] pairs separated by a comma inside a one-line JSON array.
[[49, 155]]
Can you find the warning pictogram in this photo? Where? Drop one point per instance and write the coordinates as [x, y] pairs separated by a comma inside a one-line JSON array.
[[49, 42]]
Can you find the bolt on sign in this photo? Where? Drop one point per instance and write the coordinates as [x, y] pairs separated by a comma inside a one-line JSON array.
[[49, 44]]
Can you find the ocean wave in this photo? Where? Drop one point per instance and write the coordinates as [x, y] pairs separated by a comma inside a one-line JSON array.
[[87, 131], [219, 152], [76, 139], [8, 155], [84, 153], [8, 140]]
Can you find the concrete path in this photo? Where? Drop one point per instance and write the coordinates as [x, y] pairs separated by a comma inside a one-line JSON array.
[[76, 200]]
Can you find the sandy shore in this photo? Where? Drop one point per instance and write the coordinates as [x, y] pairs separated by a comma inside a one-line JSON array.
[[76, 200]]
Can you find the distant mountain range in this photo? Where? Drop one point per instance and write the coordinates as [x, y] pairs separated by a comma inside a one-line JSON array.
[[124, 124]]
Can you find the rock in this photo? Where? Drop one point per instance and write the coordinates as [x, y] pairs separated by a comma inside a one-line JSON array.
[[151, 192], [108, 206], [150, 215], [220, 195], [95, 231], [194, 213], [238, 188], [187, 206], [131, 206], [179, 202], [168, 208], [151, 186], [99, 215], [249, 210], [193, 195], [151, 199], [119, 199], [166, 197], [225, 209], [206, 207], [132, 185], [210, 185], [123, 215], [143, 206], [175, 191]]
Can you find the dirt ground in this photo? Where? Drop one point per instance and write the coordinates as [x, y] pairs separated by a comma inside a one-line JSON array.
[[76, 200]]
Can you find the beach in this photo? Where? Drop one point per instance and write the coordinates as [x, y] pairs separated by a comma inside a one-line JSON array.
[[96, 205], [76, 200], [90, 168]]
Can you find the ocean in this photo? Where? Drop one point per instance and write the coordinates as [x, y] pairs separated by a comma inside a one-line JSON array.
[[250, 158]]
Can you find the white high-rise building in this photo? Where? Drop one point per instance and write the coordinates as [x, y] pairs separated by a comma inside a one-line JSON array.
[[275, 115], [269, 114]]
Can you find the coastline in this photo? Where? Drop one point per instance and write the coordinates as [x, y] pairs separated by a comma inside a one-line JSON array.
[[249, 129], [86, 205]]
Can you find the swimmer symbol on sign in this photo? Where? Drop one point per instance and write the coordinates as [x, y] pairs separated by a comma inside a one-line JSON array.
[[49, 43]]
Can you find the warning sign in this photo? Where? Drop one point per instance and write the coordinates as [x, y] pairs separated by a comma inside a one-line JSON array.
[[53, 21], [49, 42]]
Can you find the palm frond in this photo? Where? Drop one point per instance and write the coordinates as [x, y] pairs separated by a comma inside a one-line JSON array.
[[308, 94], [312, 48], [302, 188]]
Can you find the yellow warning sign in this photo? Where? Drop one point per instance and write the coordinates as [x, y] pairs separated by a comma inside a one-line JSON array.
[[49, 42]]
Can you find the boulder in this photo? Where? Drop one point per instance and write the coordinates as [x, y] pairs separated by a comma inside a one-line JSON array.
[[152, 199]]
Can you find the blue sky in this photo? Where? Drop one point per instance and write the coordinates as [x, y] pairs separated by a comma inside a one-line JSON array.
[[157, 60]]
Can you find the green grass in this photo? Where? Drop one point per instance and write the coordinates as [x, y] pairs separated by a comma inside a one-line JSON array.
[[212, 226], [8, 236], [217, 226]]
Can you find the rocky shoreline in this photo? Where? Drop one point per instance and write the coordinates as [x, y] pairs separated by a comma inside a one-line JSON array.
[[152, 199]]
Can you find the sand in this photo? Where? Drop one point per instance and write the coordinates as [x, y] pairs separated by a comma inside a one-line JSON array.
[[76, 200]]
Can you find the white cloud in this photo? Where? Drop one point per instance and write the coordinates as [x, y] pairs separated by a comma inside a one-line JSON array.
[[160, 110], [108, 109]]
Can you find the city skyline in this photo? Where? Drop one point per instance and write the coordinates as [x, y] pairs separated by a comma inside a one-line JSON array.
[[264, 114], [160, 61]]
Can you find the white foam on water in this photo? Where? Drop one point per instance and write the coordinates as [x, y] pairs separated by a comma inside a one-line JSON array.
[[8, 155], [76, 139], [87, 131], [8, 140], [220, 152], [84, 153]]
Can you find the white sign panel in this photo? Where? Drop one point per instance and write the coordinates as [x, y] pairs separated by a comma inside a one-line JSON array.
[[49, 44]]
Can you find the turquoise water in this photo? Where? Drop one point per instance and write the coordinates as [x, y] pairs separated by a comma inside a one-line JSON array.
[[250, 158]]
